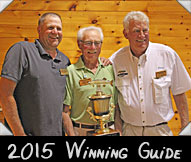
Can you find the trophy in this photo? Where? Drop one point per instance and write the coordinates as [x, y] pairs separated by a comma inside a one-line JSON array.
[[99, 111]]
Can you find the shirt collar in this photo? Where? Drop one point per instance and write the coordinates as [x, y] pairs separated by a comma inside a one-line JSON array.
[[44, 53], [143, 56], [40, 48], [80, 63]]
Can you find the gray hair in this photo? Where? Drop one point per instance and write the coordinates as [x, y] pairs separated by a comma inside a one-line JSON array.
[[135, 15], [42, 18], [82, 30]]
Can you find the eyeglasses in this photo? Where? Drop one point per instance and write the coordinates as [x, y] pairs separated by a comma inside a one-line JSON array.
[[89, 43]]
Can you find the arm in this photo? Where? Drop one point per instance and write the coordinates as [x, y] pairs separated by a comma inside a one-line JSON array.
[[117, 119], [9, 106], [67, 122], [182, 106]]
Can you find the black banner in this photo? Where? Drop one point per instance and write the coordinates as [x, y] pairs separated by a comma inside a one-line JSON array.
[[94, 148]]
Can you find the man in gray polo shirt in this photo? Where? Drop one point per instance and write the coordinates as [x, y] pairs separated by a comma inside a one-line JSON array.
[[32, 84]]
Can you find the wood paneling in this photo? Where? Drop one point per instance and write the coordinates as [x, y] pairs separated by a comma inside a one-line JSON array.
[[170, 24], [174, 124], [1, 116], [95, 5]]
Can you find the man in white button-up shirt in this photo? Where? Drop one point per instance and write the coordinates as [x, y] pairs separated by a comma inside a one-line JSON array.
[[145, 74]]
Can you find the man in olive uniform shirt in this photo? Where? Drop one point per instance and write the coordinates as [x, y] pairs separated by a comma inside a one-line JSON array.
[[88, 66]]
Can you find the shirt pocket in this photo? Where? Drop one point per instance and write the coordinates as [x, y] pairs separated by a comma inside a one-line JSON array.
[[161, 89], [123, 85]]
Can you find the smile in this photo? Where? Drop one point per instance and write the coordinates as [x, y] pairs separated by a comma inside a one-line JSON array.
[[53, 37], [141, 40], [93, 52]]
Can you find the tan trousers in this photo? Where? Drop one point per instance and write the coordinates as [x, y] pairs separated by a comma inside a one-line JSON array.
[[131, 130]]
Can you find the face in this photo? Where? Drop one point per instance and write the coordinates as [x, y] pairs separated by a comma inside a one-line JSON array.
[[89, 49], [50, 32], [138, 36]]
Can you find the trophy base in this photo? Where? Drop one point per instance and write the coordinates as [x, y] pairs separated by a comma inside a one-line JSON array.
[[111, 132]]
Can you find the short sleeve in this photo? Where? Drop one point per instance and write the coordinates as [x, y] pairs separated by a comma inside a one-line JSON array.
[[181, 81], [14, 63], [68, 94]]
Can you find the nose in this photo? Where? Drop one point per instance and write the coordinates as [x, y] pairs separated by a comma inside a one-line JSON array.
[[142, 34], [54, 30], [93, 46]]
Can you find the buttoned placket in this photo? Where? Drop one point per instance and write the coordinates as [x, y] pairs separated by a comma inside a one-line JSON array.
[[140, 66], [54, 62], [93, 76]]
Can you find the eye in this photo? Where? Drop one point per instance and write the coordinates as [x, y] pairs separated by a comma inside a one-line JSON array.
[[50, 28], [145, 30], [59, 29], [97, 43], [88, 43], [137, 31]]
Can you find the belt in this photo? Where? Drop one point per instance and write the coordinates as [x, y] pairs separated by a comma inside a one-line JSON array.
[[163, 123], [80, 125]]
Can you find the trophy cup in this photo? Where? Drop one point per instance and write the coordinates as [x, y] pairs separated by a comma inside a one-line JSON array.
[[99, 111]]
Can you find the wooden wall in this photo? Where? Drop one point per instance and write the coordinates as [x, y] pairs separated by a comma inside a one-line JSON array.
[[1, 116], [170, 24]]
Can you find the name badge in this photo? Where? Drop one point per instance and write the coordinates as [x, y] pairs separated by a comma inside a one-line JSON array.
[[160, 74], [63, 72], [85, 81]]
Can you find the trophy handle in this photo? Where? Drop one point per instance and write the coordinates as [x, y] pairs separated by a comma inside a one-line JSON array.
[[112, 107], [111, 110], [89, 109]]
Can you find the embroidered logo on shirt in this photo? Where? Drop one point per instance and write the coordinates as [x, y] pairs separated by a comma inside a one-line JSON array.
[[122, 73]]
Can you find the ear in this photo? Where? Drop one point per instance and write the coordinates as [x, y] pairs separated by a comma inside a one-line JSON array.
[[38, 29], [79, 44], [125, 33]]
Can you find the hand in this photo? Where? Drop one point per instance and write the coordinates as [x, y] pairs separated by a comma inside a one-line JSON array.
[[105, 61]]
